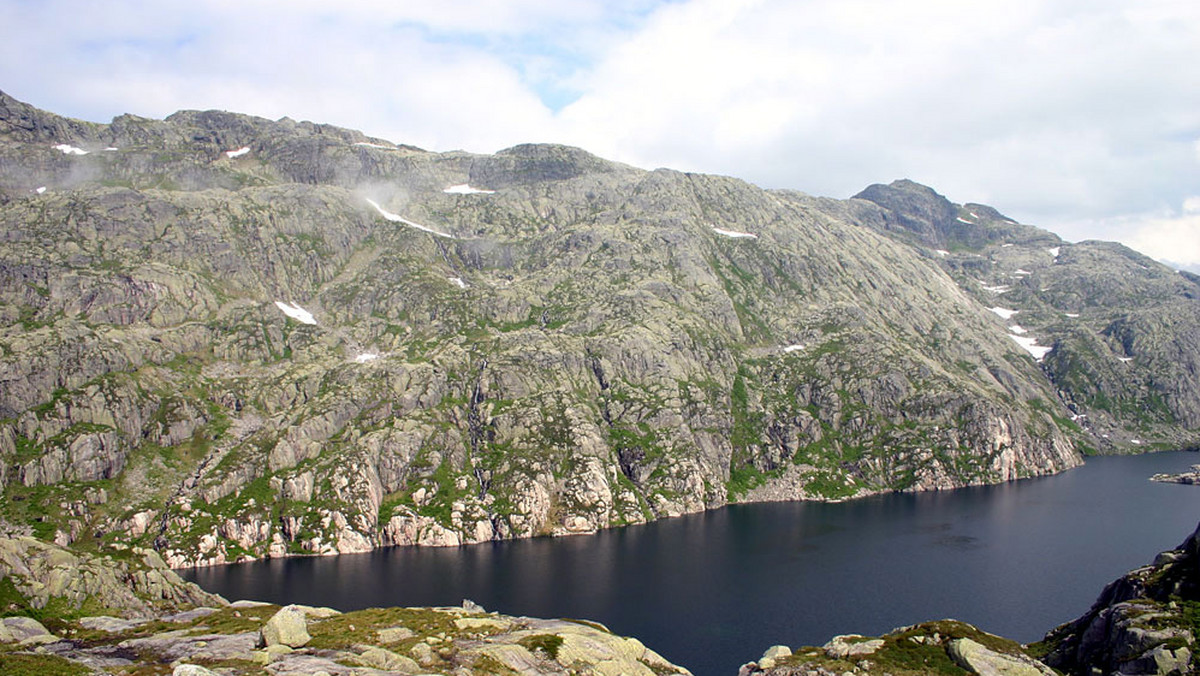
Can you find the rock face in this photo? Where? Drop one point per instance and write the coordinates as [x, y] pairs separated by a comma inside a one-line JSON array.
[[46, 578], [1120, 333], [1143, 623], [230, 338]]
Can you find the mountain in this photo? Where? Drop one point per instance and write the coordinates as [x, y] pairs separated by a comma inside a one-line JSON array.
[[225, 337]]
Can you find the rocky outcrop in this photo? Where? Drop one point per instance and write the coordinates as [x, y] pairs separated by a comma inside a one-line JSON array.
[[48, 578], [943, 647], [1143, 623], [1190, 478], [234, 640], [259, 338]]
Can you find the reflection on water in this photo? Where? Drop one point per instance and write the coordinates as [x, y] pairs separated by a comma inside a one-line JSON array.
[[711, 591]]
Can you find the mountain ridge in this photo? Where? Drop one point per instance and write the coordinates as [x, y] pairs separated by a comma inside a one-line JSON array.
[[246, 338]]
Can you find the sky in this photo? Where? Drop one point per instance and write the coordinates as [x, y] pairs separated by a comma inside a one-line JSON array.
[[1080, 116]]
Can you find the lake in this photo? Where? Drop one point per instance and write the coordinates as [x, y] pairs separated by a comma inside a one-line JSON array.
[[711, 591]]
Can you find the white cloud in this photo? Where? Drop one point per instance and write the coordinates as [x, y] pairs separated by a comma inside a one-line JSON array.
[[1067, 115], [1174, 238]]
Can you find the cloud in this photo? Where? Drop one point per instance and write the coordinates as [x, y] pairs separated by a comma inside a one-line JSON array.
[[459, 75], [1048, 109], [1173, 237], [1069, 115]]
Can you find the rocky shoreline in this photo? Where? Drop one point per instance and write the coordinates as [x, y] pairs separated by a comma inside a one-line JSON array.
[[1191, 478], [64, 612]]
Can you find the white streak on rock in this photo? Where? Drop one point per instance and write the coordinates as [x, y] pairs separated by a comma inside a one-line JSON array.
[[1031, 346], [70, 150], [396, 218], [464, 189], [734, 233], [296, 312]]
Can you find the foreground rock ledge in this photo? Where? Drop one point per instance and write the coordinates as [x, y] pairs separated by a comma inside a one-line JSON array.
[[252, 638]]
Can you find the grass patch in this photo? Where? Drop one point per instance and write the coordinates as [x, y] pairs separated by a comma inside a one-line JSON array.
[[40, 665], [547, 644]]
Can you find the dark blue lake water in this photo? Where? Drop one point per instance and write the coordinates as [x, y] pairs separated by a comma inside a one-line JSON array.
[[712, 591]]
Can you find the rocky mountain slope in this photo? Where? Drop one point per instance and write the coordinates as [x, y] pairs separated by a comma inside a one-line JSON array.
[[224, 337]]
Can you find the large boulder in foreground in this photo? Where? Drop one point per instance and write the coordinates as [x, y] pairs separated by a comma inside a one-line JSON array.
[[287, 627]]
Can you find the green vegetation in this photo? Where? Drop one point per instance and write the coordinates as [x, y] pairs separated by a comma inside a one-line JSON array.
[[40, 665], [547, 644]]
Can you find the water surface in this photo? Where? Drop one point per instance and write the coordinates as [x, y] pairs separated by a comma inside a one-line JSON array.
[[712, 591]]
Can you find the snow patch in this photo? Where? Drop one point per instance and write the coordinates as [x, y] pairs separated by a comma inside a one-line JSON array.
[[734, 234], [1054, 251], [464, 189], [396, 218], [375, 145], [1031, 346], [237, 153], [1003, 288], [1004, 313], [111, 149], [973, 215], [1136, 442], [457, 281], [366, 357], [1005, 246], [963, 220], [1018, 329], [1019, 271], [793, 348], [941, 252], [70, 150], [40, 190], [1124, 360], [1072, 315], [296, 312]]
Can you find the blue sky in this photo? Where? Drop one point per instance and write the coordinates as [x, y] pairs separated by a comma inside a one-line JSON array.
[[1082, 116]]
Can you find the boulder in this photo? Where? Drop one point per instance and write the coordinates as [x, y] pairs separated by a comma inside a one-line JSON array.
[[386, 660], [287, 627], [976, 658], [851, 646], [19, 629]]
